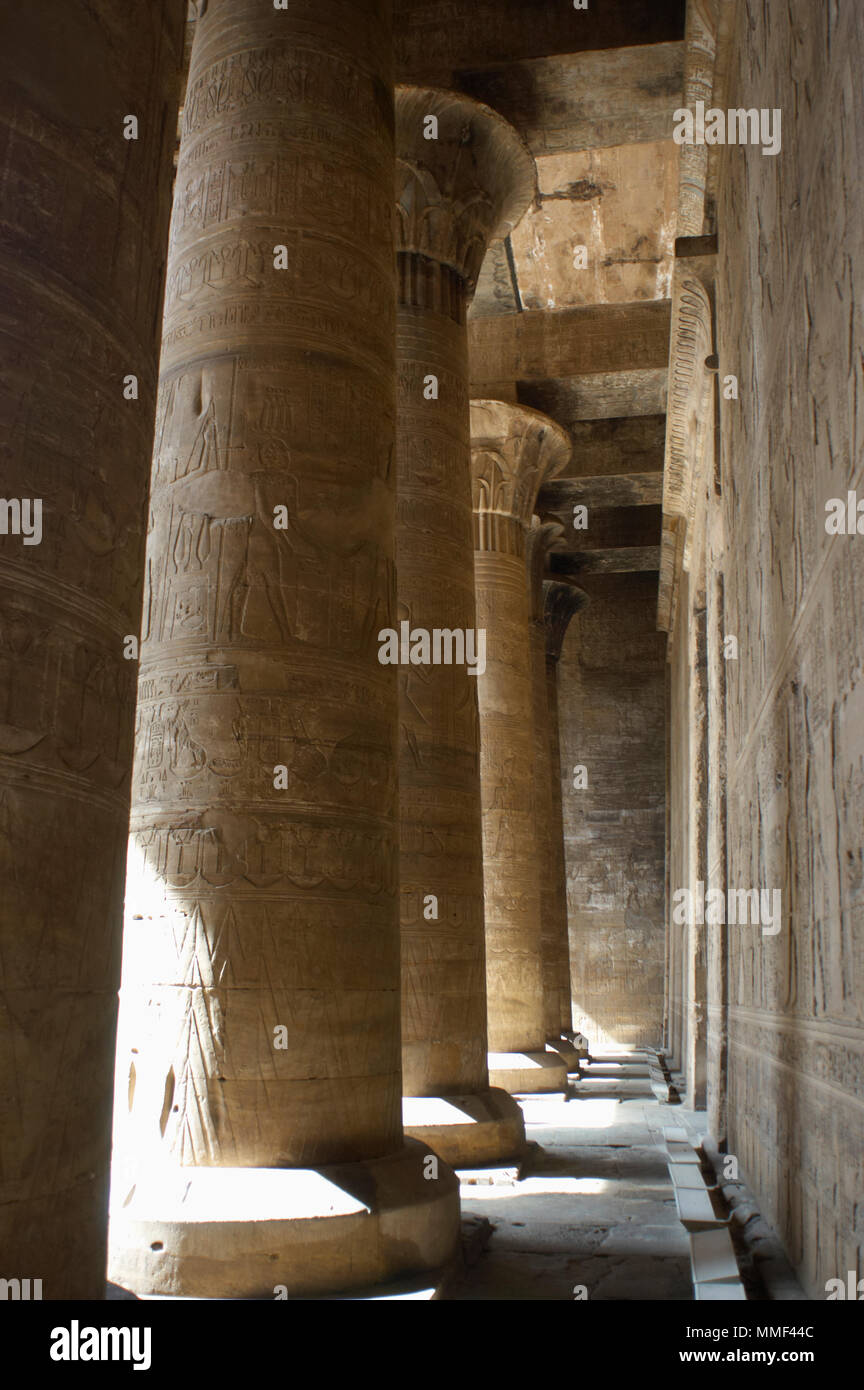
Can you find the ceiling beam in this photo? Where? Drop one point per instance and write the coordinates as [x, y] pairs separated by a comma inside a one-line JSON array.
[[621, 560], [436, 41], [581, 101], [596, 339], [602, 490]]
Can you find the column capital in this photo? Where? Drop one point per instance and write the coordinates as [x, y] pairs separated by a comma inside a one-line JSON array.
[[455, 192], [560, 603], [513, 451], [540, 538]]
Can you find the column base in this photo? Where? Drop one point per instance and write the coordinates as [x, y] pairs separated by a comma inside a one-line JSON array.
[[252, 1232], [480, 1128], [527, 1072], [566, 1051]]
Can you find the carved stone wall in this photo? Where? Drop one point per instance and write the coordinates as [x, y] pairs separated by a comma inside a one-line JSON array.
[[790, 327], [83, 229], [611, 698]]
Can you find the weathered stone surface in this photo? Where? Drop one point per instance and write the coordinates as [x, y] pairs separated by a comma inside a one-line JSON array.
[[632, 444], [470, 182], [560, 603], [791, 325], [513, 450], [243, 1232], [687, 794], [601, 492], [597, 396], [268, 842], [439, 39], [621, 560], [689, 435], [83, 228], [617, 203], [611, 703], [783, 744], [589, 341], [541, 538], [580, 101], [262, 948], [481, 1128], [453, 194]]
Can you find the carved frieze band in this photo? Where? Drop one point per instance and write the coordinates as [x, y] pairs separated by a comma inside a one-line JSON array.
[[699, 47], [687, 423]]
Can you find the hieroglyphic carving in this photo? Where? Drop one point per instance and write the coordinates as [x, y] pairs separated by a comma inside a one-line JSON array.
[[256, 896], [453, 193], [689, 419], [85, 226], [266, 80], [513, 449], [699, 55], [789, 322]]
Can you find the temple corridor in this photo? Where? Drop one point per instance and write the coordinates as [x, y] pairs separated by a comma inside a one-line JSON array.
[[592, 1213], [431, 660]]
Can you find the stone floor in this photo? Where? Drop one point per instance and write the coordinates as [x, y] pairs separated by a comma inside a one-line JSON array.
[[595, 1205]]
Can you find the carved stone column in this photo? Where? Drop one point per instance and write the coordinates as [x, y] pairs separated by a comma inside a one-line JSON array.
[[473, 180], [83, 229], [560, 603], [542, 537], [513, 449], [261, 968]]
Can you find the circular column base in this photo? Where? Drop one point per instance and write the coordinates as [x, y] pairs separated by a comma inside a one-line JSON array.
[[261, 1232], [481, 1128], [566, 1051], [527, 1072]]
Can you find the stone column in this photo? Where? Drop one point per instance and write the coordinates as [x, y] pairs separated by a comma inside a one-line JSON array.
[[541, 537], [717, 963], [473, 180], [513, 449], [83, 229], [560, 602], [696, 850], [261, 966]]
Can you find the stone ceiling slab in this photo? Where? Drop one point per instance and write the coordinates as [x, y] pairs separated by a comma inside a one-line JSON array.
[[578, 101], [437, 40], [619, 204]]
